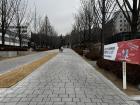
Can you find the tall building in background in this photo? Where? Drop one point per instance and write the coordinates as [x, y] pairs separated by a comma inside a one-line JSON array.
[[120, 23], [118, 29], [117, 24], [12, 39]]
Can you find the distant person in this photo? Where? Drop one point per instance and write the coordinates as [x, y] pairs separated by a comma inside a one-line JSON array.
[[60, 49]]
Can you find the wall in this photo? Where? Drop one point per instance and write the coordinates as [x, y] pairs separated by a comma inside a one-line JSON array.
[[13, 53]]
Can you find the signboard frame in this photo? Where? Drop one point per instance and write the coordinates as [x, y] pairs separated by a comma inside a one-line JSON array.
[[126, 52]]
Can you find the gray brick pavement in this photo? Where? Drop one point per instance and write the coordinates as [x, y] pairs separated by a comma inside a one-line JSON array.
[[65, 80]]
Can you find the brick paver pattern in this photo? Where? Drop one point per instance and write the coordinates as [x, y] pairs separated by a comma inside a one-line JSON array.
[[65, 80]]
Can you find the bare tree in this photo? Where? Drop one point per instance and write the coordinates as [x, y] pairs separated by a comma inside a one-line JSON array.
[[75, 35], [79, 28], [131, 12], [87, 8], [92, 16], [22, 19], [84, 21], [104, 10], [7, 12], [46, 36], [45, 26]]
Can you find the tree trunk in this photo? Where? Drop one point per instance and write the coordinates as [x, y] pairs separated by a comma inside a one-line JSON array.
[[3, 37], [89, 32], [84, 36], [135, 16], [3, 22], [102, 31], [134, 28], [20, 38]]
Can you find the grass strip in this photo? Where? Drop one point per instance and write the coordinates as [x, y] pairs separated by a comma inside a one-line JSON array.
[[11, 78]]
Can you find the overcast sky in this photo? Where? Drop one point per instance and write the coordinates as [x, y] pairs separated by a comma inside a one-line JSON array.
[[60, 12]]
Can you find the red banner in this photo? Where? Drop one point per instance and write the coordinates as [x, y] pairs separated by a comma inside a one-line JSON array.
[[125, 50], [129, 51]]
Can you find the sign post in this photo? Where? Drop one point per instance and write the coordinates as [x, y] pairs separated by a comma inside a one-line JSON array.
[[126, 52], [124, 75]]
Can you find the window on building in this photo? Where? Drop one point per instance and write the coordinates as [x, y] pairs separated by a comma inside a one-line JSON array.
[[121, 16], [6, 39], [124, 20], [120, 25], [120, 20], [120, 29], [125, 25]]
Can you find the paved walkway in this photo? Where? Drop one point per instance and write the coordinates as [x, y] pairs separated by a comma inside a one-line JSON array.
[[65, 80], [10, 64]]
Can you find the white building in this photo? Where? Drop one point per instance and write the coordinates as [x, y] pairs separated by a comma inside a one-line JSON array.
[[11, 40], [120, 23]]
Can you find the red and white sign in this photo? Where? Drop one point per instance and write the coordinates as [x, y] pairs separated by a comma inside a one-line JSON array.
[[128, 51]]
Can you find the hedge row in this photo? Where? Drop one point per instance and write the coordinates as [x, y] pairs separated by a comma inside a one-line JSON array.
[[133, 71], [92, 54], [79, 50], [41, 49], [13, 48]]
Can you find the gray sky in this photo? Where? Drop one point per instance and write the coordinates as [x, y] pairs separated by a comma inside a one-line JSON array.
[[60, 12]]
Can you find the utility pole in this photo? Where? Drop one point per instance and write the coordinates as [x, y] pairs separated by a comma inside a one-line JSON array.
[[103, 26]]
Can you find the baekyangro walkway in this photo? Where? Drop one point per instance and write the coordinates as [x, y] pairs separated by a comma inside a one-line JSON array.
[[65, 80]]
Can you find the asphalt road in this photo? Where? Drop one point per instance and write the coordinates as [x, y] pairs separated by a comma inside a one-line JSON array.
[[10, 64]]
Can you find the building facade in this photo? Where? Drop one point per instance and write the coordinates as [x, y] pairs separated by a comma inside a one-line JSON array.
[[117, 24], [120, 23], [118, 29], [12, 39]]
